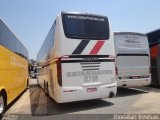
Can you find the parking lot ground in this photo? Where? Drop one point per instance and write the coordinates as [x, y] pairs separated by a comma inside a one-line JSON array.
[[142, 100]]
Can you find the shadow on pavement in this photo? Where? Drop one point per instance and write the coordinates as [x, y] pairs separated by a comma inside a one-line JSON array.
[[155, 86], [151, 88], [42, 105], [123, 92]]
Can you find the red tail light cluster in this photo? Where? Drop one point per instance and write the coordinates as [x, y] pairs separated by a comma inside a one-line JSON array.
[[59, 72]]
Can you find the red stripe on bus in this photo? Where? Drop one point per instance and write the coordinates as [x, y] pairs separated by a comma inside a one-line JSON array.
[[97, 47]]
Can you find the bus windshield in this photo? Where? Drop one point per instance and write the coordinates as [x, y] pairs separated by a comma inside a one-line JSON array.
[[85, 26]]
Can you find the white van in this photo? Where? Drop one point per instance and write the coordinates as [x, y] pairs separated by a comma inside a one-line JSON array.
[[132, 59], [77, 59]]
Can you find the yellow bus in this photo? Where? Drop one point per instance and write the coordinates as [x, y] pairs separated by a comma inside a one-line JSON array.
[[13, 67]]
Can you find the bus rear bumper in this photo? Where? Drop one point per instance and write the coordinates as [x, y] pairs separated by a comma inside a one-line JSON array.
[[127, 83], [70, 94]]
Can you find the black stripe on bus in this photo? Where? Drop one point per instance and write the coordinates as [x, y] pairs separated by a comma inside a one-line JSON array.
[[90, 69], [133, 54], [81, 47], [90, 66], [81, 61], [88, 56]]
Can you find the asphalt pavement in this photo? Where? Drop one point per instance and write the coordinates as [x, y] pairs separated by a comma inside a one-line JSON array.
[[34, 104]]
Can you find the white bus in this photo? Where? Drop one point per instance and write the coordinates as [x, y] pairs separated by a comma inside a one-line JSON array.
[[77, 59], [132, 59]]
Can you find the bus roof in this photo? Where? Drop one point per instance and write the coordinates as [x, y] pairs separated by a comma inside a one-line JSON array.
[[15, 36], [135, 33], [154, 37], [12, 32], [157, 31], [81, 13]]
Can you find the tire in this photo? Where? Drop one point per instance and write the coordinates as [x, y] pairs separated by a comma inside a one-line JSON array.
[[27, 83], [46, 88], [3, 104]]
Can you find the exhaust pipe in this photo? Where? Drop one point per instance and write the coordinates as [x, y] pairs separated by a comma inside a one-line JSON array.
[[124, 85]]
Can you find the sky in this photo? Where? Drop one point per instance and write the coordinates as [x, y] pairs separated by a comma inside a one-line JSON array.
[[31, 20]]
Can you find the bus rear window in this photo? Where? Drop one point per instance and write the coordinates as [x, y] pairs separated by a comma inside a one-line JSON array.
[[85, 26], [131, 41]]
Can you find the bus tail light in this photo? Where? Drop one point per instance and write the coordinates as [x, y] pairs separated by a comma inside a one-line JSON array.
[[59, 69], [59, 72]]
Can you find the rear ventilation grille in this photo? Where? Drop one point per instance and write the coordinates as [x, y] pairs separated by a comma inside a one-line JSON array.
[[90, 66]]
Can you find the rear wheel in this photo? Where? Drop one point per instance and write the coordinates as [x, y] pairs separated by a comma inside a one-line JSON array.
[[2, 103], [46, 88], [27, 83]]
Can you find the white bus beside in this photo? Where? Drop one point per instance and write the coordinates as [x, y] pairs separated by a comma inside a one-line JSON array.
[[132, 59], [77, 59]]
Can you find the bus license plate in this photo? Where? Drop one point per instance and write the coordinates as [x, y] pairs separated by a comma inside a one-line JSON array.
[[91, 89]]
